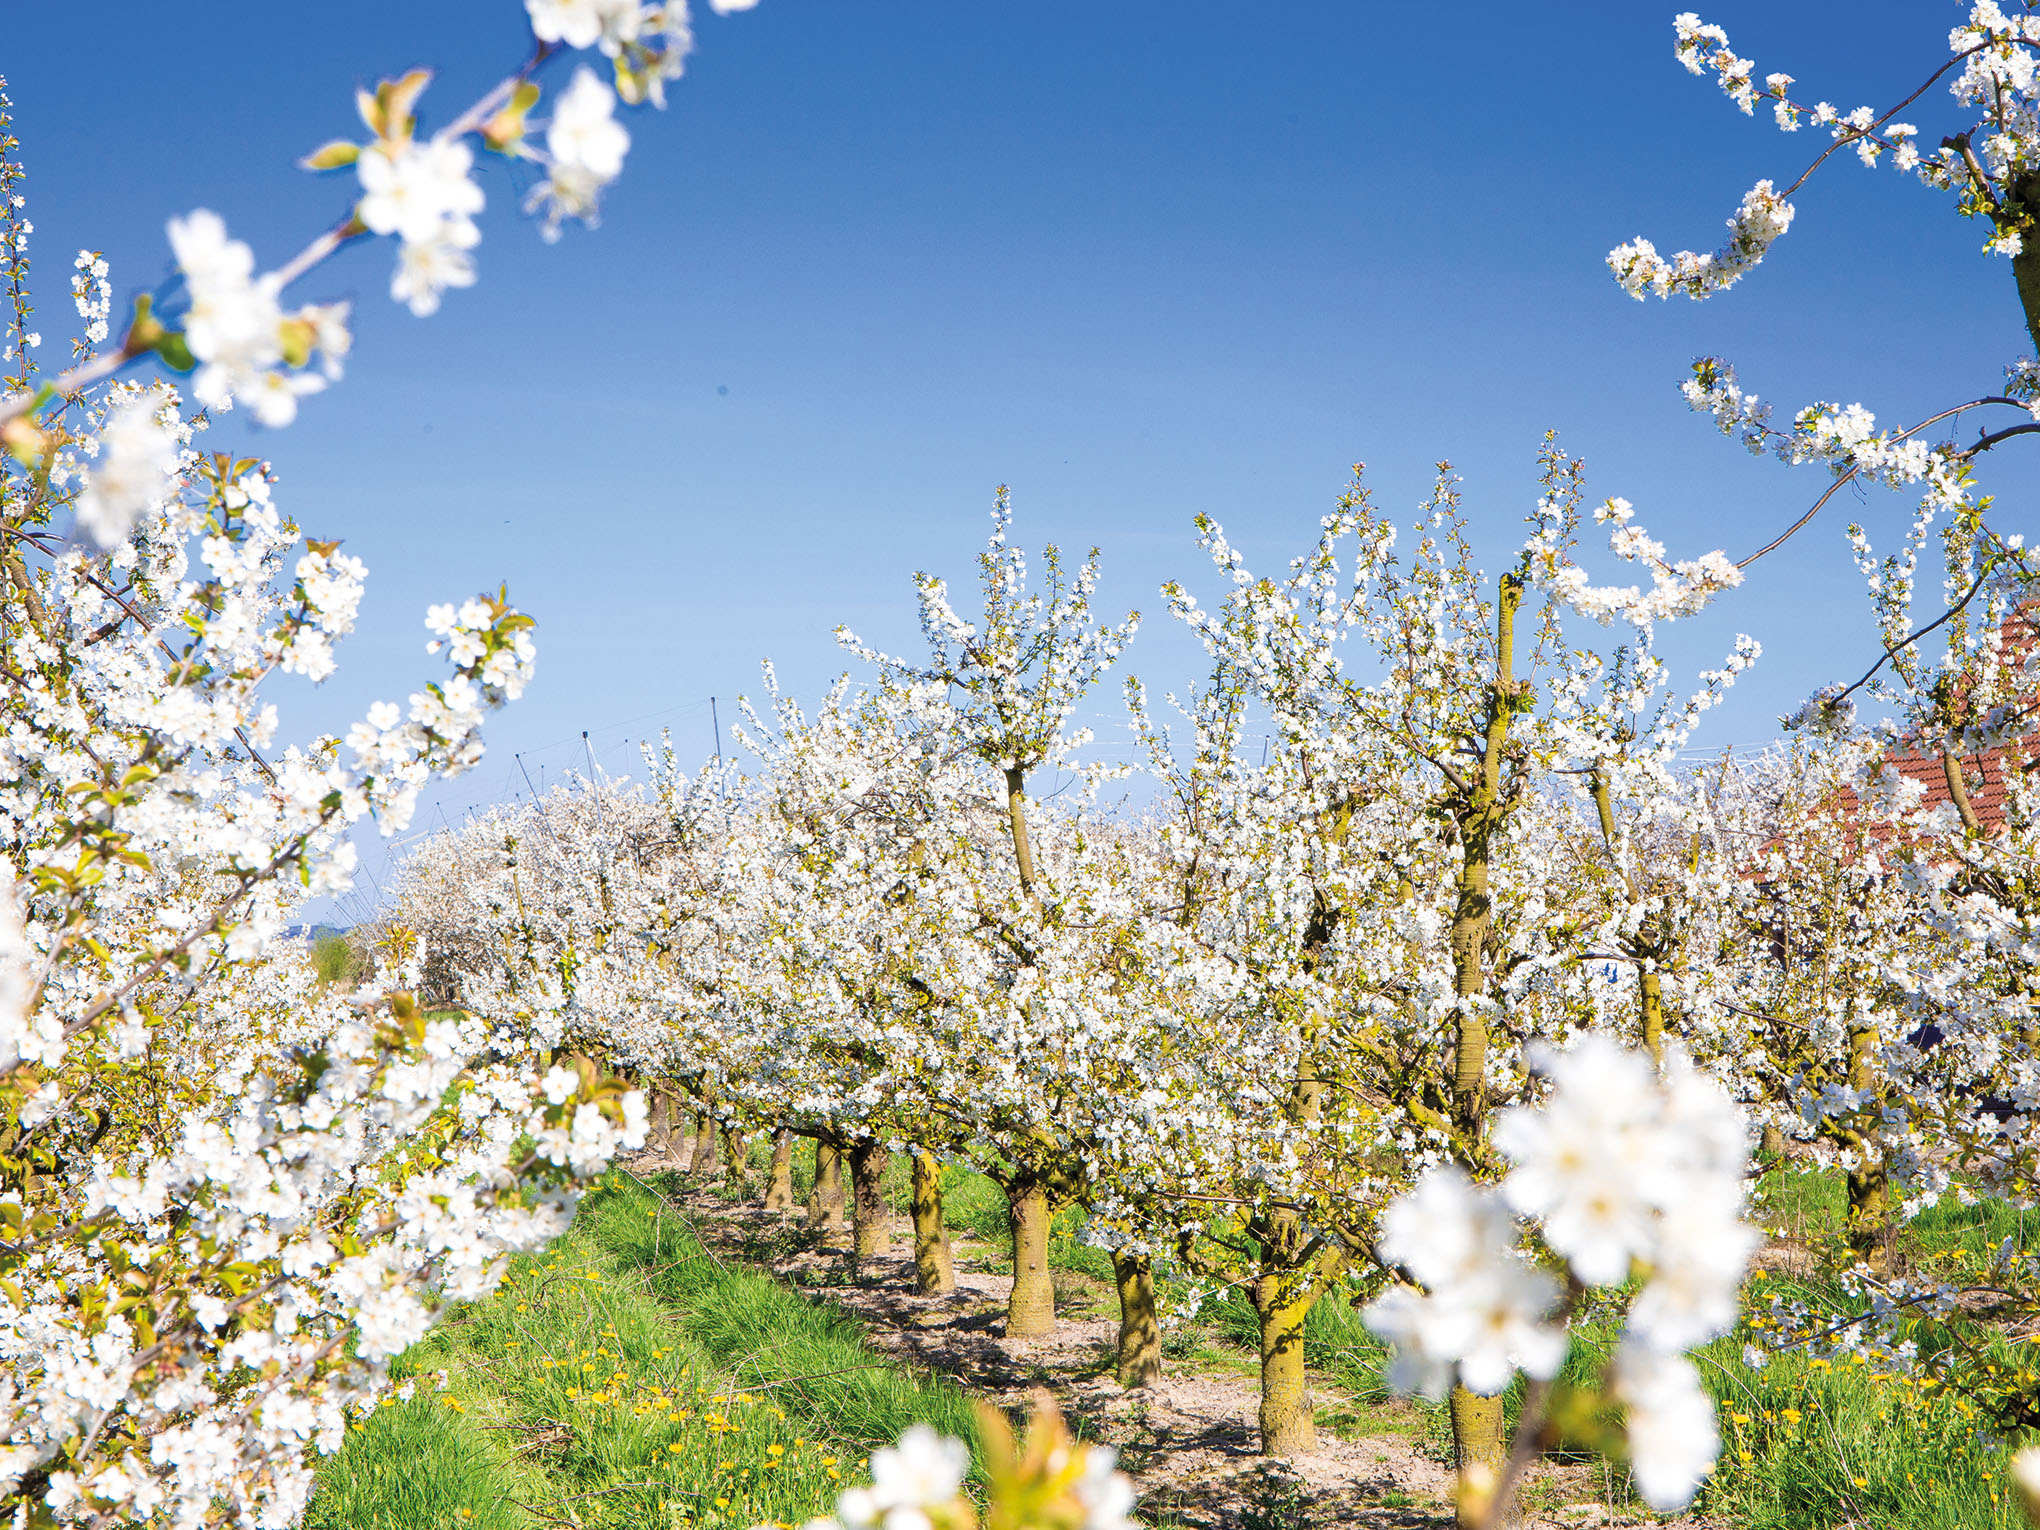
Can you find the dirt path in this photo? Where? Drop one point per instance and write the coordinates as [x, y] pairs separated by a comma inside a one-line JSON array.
[[1189, 1443]]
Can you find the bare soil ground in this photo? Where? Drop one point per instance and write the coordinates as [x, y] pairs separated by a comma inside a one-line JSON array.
[[1189, 1443]]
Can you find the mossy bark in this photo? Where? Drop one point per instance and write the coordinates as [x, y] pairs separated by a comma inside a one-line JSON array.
[[1868, 1229], [1140, 1334], [1651, 994], [1030, 1310], [1480, 813], [825, 1200], [1295, 1270], [1478, 1452], [873, 1222], [779, 1183], [1869, 1216], [1288, 1427], [1016, 821], [934, 1269], [2024, 193], [661, 1139], [736, 1151], [706, 1156]]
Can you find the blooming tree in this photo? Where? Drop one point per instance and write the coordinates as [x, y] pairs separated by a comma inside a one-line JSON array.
[[1890, 903], [1450, 839], [228, 1198]]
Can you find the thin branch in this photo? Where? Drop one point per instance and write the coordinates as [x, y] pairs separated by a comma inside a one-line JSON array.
[[1867, 132], [1904, 643], [1799, 525]]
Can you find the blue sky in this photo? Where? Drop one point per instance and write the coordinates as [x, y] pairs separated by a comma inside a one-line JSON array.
[[1138, 261]]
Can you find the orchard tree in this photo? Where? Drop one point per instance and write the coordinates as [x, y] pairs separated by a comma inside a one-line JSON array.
[[1028, 982], [1393, 899], [211, 1250]]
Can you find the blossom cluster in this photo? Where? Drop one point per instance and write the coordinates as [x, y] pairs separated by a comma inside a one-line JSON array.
[[228, 323], [1617, 1171], [1762, 218]]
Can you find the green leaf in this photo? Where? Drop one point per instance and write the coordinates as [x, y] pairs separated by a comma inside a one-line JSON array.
[[331, 156]]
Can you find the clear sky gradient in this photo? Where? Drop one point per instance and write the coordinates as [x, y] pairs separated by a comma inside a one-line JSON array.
[[1138, 260]]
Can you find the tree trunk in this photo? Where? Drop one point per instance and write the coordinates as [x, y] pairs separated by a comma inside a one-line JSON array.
[[873, 1235], [661, 1143], [1646, 948], [1869, 1224], [934, 1271], [2026, 264], [1478, 1452], [1288, 1428], [1650, 990], [1030, 1311], [705, 1160], [1140, 1336], [1477, 1421], [733, 1151], [825, 1201], [779, 1186], [690, 1143]]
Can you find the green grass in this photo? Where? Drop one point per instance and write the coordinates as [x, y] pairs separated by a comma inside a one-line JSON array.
[[632, 1376], [1808, 1444], [417, 1464], [973, 1204], [335, 960]]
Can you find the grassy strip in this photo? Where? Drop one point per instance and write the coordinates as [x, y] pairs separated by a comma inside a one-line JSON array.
[[809, 1355], [626, 1378], [1807, 1445]]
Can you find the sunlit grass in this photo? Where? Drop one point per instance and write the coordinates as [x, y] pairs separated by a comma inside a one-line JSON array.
[[629, 1375], [1807, 1444]]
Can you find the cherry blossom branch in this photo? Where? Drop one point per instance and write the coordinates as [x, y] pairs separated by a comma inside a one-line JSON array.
[[1844, 141], [1984, 442], [69, 384], [1899, 647]]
